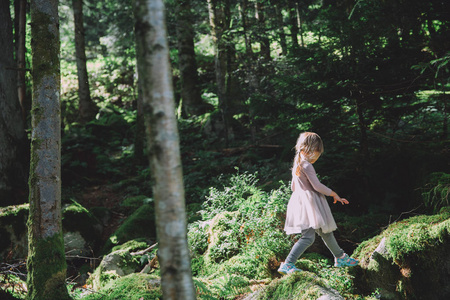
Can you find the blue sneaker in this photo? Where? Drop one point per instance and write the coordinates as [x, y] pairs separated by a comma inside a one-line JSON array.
[[345, 261], [287, 268]]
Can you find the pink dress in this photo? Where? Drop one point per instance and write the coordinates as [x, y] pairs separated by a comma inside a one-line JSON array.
[[307, 207]]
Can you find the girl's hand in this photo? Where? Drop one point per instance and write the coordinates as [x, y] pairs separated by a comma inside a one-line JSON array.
[[337, 198], [342, 200]]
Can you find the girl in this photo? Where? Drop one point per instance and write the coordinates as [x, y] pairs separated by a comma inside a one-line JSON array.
[[308, 211]]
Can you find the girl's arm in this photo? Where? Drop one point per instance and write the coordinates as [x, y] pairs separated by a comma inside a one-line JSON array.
[[318, 186], [310, 173]]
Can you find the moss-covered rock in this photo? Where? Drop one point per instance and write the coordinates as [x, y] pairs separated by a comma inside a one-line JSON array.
[[13, 231], [78, 222], [140, 224], [297, 286], [134, 286], [114, 265], [408, 260]]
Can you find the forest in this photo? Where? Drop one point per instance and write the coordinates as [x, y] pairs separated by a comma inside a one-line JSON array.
[[146, 147]]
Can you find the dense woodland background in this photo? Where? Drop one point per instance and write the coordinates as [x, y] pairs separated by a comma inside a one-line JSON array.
[[371, 77]]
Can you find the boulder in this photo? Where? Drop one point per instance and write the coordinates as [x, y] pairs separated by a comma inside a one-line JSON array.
[[408, 260], [13, 232], [116, 264]]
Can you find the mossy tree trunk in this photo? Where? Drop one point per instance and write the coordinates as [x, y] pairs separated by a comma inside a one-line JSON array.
[[46, 259], [12, 135], [164, 151], [87, 108]]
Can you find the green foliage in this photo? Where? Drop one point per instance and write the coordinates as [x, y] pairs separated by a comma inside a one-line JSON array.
[[135, 286], [98, 147], [226, 287], [436, 192], [241, 232]]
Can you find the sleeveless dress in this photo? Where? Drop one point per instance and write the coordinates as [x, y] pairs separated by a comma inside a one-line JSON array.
[[307, 207]]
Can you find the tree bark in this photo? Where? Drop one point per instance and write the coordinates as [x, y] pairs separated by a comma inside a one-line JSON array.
[[294, 26], [243, 11], [280, 24], [21, 18], [87, 108], [220, 23], [263, 39], [46, 259], [12, 135], [164, 151], [190, 91]]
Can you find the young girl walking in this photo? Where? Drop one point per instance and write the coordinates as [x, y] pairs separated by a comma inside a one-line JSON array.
[[308, 211]]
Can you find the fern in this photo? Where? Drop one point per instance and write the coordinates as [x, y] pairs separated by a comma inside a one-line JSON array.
[[436, 194]]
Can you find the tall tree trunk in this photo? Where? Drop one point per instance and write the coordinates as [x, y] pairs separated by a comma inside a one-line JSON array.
[[164, 150], [294, 26], [12, 135], [21, 16], [87, 108], [264, 40], [190, 91], [139, 139], [243, 11], [46, 259], [300, 23], [220, 23], [280, 25]]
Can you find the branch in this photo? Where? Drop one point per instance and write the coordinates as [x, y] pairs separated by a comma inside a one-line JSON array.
[[144, 251]]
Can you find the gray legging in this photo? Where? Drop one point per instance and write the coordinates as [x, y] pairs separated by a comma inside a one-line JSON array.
[[307, 239]]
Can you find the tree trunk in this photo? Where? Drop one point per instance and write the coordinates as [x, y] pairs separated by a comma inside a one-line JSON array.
[[87, 108], [139, 139], [264, 40], [300, 23], [280, 24], [190, 92], [164, 150], [243, 11], [294, 26], [220, 23], [46, 259], [21, 18], [12, 135]]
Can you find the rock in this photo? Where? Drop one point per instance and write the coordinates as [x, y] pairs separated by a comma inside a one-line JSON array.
[[408, 260], [75, 245], [13, 232], [114, 265]]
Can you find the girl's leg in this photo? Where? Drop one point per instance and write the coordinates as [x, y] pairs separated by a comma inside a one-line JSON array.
[[301, 245], [331, 243]]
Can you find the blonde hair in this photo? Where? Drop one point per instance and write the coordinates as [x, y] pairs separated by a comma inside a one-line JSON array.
[[307, 144]]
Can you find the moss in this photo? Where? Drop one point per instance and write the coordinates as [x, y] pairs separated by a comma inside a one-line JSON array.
[[224, 287], [133, 245], [132, 287], [75, 217], [14, 218], [47, 269], [141, 224], [136, 202], [410, 258], [304, 285]]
